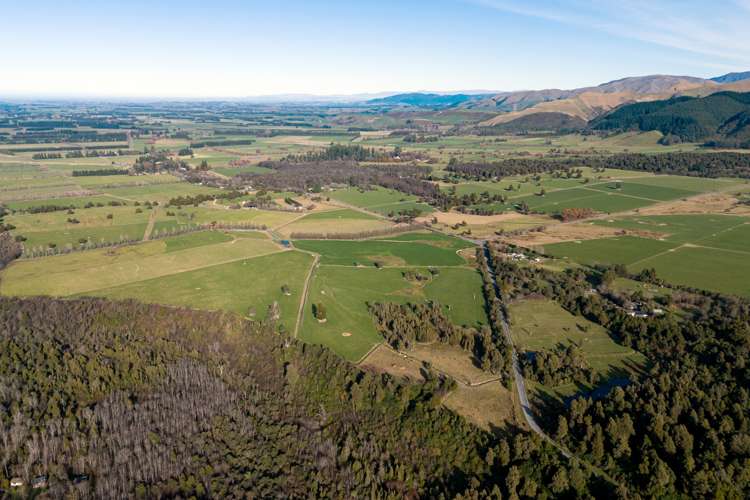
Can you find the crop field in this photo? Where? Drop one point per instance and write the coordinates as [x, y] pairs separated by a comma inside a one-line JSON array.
[[88, 217], [619, 250], [94, 182], [520, 185], [609, 202], [693, 228], [67, 201], [86, 272], [706, 268], [346, 291], [389, 253], [370, 198], [31, 184], [609, 192], [707, 251], [431, 238], [543, 324]]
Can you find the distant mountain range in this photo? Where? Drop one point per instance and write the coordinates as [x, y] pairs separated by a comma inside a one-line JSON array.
[[590, 102], [732, 77], [569, 109], [585, 102], [420, 99]]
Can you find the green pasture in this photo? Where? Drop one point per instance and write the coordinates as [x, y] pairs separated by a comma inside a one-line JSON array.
[[346, 291], [389, 253], [543, 324]]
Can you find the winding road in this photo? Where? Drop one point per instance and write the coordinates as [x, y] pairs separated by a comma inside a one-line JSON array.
[[517, 374]]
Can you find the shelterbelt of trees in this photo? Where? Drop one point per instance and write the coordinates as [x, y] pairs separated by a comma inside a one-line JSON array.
[[727, 164], [121, 399], [356, 152], [683, 429]]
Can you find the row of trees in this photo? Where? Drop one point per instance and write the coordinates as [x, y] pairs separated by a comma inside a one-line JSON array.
[[100, 172], [725, 164], [221, 142]]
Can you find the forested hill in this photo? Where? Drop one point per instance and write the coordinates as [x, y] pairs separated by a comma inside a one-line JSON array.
[[119, 399], [686, 118]]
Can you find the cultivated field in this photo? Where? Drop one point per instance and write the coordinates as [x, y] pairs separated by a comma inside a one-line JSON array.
[[707, 251]]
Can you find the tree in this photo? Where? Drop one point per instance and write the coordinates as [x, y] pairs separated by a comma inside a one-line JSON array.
[[608, 277], [319, 311]]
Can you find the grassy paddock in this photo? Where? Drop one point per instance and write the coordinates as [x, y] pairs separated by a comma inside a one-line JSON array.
[[235, 286], [390, 253], [86, 272], [346, 291], [543, 324]]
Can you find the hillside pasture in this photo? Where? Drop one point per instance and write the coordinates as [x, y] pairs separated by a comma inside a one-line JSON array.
[[89, 271], [541, 324], [335, 222], [346, 291], [389, 253], [235, 286]]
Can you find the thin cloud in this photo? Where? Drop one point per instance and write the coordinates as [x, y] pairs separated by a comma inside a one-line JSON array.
[[681, 25]]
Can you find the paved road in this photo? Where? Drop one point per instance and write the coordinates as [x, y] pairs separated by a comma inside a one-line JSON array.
[[517, 374]]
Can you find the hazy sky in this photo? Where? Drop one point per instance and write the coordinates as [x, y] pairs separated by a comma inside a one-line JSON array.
[[239, 48]]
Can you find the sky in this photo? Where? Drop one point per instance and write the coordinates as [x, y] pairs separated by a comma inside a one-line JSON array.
[[236, 48]]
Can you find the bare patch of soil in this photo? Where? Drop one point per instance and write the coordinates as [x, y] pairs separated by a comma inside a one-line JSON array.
[[488, 406], [579, 231], [709, 203], [385, 360]]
